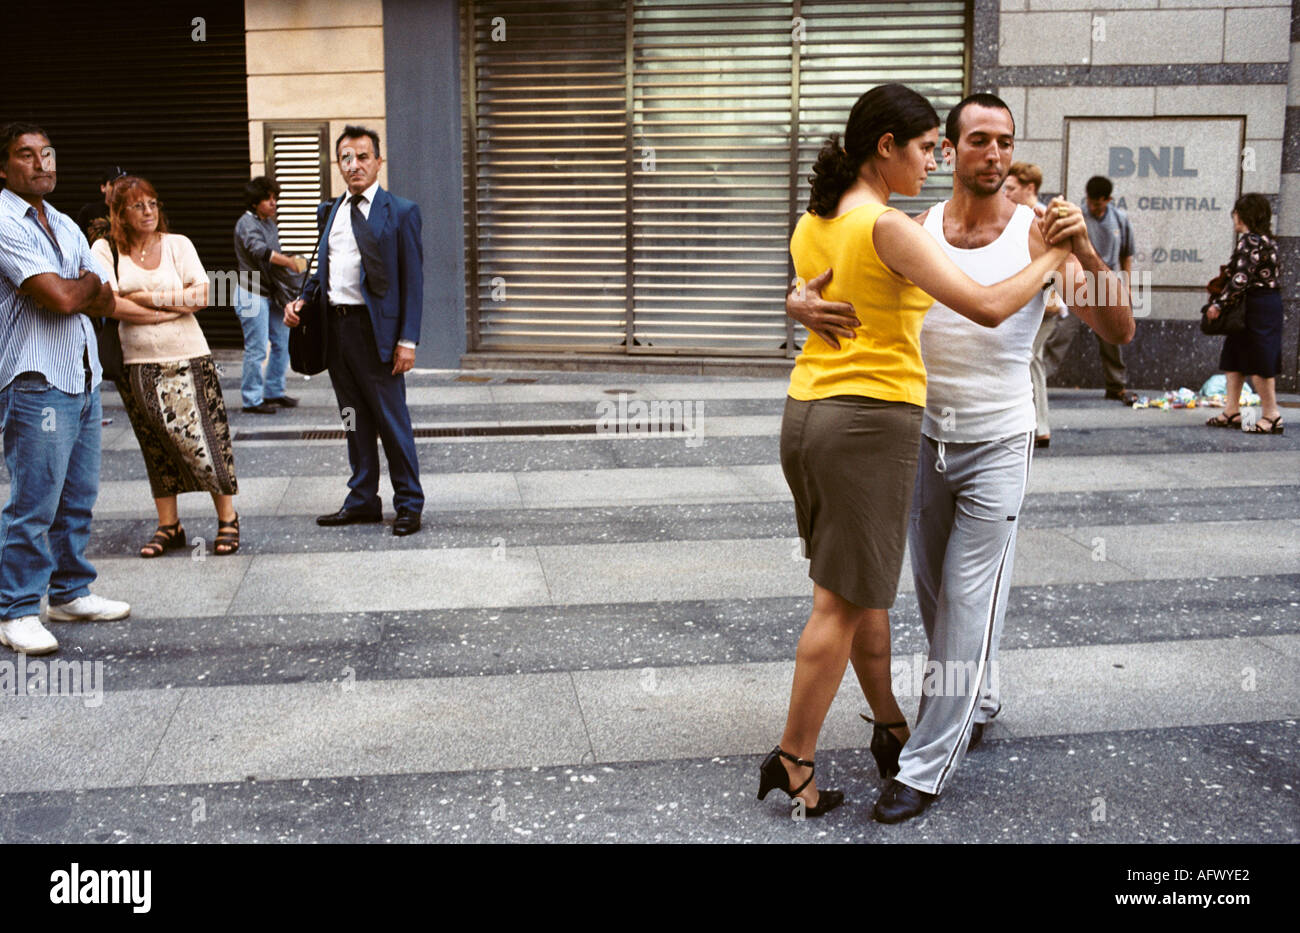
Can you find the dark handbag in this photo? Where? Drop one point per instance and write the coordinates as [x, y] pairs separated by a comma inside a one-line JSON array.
[[108, 336], [1231, 320], [1218, 283], [309, 340]]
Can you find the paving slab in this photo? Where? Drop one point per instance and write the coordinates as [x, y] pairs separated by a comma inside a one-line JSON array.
[[369, 727], [404, 580], [62, 742]]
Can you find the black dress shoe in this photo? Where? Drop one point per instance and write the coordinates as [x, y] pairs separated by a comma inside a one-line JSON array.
[[976, 736], [346, 516], [1043, 440], [266, 408], [407, 523], [900, 802], [284, 401]]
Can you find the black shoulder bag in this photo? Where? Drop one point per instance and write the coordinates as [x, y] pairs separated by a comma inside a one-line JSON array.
[[309, 341], [108, 335]]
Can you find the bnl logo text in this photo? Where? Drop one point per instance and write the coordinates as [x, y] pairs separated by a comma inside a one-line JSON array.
[[1165, 162]]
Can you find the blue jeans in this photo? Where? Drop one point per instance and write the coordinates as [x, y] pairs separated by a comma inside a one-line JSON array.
[[262, 323], [51, 443]]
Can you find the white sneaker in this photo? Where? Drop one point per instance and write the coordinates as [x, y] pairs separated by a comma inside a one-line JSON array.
[[90, 608], [27, 635]]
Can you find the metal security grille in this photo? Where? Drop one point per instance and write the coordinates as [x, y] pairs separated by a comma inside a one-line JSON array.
[[136, 83], [297, 157], [634, 167]]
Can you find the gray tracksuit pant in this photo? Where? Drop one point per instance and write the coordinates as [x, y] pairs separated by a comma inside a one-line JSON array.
[[962, 537]]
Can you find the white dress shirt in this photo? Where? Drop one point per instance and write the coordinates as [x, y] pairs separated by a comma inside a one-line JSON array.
[[345, 255]]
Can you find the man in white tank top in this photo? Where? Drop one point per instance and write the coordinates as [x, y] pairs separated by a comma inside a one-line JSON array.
[[976, 444]]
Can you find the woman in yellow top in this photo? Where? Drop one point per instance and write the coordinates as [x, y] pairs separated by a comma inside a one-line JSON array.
[[852, 423]]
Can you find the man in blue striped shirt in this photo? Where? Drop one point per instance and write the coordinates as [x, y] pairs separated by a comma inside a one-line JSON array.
[[49, 400]]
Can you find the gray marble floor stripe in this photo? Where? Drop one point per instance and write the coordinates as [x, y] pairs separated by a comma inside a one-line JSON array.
[[502, 574], [356, 727], [473, 525], [188, 651], [1153, 785], [314, 494], [323, 458]]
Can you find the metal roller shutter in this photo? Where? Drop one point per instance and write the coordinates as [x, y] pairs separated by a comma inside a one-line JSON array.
[[126, 83], [634, 167]]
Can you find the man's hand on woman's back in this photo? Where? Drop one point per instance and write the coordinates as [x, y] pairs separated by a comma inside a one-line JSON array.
[[829, 320]]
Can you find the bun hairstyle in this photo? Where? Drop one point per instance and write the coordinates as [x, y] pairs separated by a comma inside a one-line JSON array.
[[889, 108]]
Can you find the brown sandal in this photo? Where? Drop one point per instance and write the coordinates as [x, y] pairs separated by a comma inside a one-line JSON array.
[[225, 539], [166, 538], [1222, 420]]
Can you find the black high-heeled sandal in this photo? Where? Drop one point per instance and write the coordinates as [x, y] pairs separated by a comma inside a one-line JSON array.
[[885, 746], [772, 774]]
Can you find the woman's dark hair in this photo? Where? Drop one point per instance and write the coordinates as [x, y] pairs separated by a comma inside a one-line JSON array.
[[1255, 212], [889, 108], [124, 192], [258, 190]]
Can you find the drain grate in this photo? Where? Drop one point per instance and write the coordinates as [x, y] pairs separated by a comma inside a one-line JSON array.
[[486, 430]]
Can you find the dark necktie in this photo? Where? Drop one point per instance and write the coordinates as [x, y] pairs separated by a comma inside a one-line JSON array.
[[371, 260]]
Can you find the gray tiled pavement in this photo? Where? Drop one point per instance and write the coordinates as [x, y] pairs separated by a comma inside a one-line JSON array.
[[592, 640]]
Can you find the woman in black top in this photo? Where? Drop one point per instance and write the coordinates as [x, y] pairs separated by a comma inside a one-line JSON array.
[[1257, 350]]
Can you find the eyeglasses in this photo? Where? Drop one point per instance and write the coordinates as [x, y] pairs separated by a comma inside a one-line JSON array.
[[141, 206]]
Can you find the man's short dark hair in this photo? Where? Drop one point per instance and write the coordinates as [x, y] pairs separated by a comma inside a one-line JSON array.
[[1098, 187], [10, 133], [952, 129], [356, 132], [258, 190], [112, 173]]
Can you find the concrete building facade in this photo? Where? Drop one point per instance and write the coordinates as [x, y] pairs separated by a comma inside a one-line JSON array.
[[1184, 103]]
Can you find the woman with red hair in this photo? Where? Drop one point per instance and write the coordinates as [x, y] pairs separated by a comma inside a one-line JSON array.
[[169, 384]]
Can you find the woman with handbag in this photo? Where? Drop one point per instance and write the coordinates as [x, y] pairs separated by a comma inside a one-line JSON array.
[[1256, 349], [169, 383]]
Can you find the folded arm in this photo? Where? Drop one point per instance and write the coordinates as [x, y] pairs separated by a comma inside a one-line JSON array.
[[83, 295]]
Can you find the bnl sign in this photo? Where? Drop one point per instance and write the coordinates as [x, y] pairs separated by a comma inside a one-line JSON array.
[[1164, 162]]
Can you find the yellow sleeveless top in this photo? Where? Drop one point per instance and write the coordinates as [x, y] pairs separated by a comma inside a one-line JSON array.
[[883, 360]]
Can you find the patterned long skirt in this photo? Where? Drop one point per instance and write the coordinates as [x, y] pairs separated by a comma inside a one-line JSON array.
[[179, 418]]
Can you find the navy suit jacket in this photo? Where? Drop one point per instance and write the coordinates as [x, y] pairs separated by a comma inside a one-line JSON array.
[[396, 222]]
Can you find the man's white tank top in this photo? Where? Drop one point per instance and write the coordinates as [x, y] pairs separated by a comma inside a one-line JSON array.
[[977, 378]]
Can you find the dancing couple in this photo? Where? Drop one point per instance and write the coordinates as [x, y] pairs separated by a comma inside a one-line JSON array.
[[865, 442]]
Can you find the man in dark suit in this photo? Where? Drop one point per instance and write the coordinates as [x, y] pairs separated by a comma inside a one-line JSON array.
[[369, 285]]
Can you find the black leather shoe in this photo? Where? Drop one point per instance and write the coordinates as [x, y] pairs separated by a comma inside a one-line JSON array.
[[407, 523], [266, 408], [900, 802], [284, 401], [976, 736], [1043, 440], [347, 516]]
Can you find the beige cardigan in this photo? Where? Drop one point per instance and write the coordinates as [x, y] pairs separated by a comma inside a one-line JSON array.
[[181, 339]]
